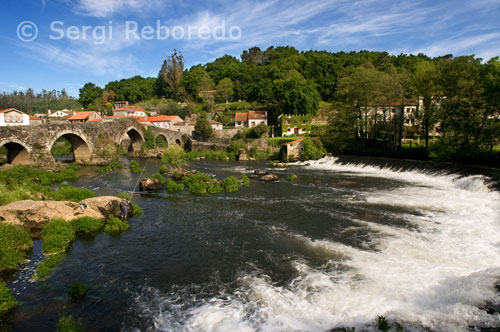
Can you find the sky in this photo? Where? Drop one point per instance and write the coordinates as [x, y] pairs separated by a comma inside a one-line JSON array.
[[79, 41]]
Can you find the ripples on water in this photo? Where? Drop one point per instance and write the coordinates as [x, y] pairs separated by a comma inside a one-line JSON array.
[[421, 247]]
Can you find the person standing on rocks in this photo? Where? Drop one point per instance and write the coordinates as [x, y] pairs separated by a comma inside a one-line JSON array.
[[123, 208]]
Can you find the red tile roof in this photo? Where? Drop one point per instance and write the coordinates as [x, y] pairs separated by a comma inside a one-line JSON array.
[[296, 141], [240, 116], [81, 115], [131, 108], [7, 109], [161, 118], [257, 115], [95, 120], [34, 118]]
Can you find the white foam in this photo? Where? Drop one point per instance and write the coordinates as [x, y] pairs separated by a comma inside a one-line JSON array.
[[435, 275]]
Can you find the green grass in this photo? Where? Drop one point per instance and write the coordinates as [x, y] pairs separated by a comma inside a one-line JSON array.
[[61, 147], [26, 182], [49, 263], [136, 210], [159, 177], [134, 167], [173, 187], [7, 300], [86, 225], [115, 225], [110, 167], [15, 241], [201, 184], [69, 324], [292, 178]]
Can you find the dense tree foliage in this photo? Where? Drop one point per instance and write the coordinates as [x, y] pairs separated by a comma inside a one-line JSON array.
[[30, 102]]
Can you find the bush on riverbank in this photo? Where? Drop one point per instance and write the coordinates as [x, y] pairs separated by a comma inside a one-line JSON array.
[[116, 225], [7, 300], [86, 225], [159, 177], [201, 183], [15, 242], [57, 236]]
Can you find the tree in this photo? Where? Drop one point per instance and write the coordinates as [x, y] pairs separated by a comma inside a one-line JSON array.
[[225, 89], [425, 82], [296, 95], [203, 129], [89, 93], [172, 69]]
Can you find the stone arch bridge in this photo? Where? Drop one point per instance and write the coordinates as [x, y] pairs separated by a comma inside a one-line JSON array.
[[92, 142]]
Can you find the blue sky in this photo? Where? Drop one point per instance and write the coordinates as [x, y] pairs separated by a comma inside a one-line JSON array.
[[398, 26]]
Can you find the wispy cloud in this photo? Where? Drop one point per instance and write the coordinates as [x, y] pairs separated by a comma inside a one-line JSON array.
[[106, 8]]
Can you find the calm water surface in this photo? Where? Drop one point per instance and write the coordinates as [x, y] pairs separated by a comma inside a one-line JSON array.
[[349, 240]]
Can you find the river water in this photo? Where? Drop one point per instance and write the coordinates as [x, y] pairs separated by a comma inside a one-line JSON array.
[[351, 239]]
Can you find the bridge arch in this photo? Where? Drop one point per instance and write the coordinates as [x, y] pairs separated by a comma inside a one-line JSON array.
[[161, 140], [131, 140], [17, 152], [79, 146]]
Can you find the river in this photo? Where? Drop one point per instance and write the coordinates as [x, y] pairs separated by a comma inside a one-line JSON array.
[[351, 239]]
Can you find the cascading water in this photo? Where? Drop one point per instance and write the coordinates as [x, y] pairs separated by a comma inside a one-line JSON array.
[[437, 274]]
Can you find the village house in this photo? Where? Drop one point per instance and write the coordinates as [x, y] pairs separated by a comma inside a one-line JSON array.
[[216, 125], [128, 111], [188, 126], [250, 119], [293, 150], [162, 121], [294, 125], [13, 117], [120, 104], [84, 116]]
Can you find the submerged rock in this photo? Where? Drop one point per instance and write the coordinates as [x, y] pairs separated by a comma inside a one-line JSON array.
[[259, 172], [151, 184], [35, 214], [347, 183], [269, 178]]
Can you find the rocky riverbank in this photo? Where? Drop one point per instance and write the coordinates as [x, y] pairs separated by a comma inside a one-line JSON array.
[[35, 214]]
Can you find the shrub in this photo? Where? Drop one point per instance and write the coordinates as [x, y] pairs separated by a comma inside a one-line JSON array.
[[174, 156], [7, 300], [69, 324], [382, 324], [159, 177], [173, 187], [245, 179], [115, 225], [86, 225], [199, 183], [14, 242], [67, 192], [312, 149], [292, 178], [236, 146], [44, 269], [231, 184], [134, 167], [77, 291], [57, 236], [136, 210], [164, 170]]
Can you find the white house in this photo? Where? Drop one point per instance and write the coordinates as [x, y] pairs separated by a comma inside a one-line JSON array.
[[163, 121], [13, 117], [250, 119], [215, 125], [130, 111]]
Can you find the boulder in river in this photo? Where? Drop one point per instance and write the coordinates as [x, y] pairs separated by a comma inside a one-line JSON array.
[[35, 214], [269, 178], [347, 183], [259, 172], [151, 184]]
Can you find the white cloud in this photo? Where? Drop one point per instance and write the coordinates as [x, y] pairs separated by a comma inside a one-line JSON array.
[[106, 8]]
